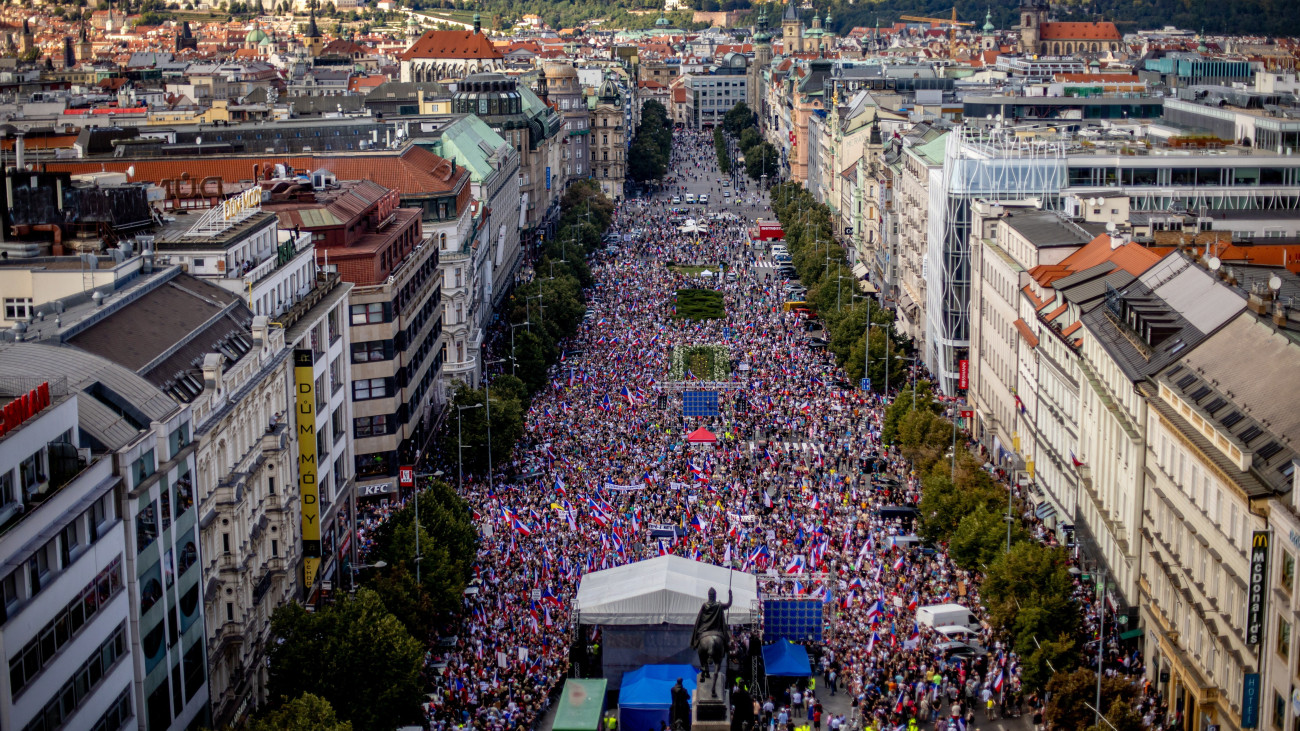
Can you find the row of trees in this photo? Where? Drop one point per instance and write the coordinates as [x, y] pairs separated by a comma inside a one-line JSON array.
[[1027, 586], [761, 158], [355, 664], [652, 147], [720, 147], [861, 332]]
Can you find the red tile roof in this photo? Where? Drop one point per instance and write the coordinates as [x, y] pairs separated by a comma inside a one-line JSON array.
[[1079, 32], [451, 44], [413, 171], [1026, 333]]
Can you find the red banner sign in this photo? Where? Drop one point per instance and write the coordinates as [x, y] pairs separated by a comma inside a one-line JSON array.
[[24, 407], [406, 477], [963, 374]]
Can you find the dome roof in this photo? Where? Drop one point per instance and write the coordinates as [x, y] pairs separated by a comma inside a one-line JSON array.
[[662, 22], [559, 71], [255, 36]]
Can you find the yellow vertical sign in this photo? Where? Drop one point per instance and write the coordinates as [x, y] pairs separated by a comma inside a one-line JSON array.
[[308, 488]]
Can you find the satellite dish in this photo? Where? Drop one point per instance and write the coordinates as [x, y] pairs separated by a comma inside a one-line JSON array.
[[198, 140], [1110, 227], [130, 172], [1275, 283], [1215, 263]]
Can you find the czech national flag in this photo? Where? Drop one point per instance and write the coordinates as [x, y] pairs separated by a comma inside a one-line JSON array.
[[604, 403]]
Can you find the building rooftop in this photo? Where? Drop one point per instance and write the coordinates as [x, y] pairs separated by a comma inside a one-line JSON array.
[[165, 334], [118, 404], [1046, 229]]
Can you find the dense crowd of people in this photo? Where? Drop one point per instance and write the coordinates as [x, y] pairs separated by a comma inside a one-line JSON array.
[[791, 491]]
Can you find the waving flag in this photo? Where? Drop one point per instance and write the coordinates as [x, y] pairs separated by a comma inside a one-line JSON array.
[[662, 551], [795, 565], [699, 524], [899, 563], [875, 609], [549, 597], [997, 682], [631, 398], [872, 640], [604, 403]]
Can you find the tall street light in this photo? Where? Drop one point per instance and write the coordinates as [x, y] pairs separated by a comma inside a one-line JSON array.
[[460, 445]]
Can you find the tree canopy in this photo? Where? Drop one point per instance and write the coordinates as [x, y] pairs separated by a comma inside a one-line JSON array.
[[354, 654]]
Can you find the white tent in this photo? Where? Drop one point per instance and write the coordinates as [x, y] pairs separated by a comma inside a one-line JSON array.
[[663, 590]]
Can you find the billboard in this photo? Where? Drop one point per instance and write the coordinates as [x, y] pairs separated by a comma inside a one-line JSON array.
[[308, 487]]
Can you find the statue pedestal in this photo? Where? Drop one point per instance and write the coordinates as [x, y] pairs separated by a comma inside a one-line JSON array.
[[709, 713]]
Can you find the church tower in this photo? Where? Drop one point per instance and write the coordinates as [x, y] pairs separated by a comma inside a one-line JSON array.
[[84, 52], [29, 40], [1033, 13], [791, 30], [762, 57]]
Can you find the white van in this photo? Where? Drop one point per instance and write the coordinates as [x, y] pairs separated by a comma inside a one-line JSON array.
[[947, 615], [690, 197], [704, 199]]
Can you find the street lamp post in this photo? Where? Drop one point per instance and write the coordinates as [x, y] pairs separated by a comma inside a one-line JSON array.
[[460, 445], [362, 566], [513, 359]]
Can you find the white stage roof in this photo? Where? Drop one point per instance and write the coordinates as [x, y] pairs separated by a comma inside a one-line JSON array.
[[663, 590]]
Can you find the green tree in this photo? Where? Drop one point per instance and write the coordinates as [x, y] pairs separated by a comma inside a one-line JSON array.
[[737, 119], [448, 542], [981, 536], [748, 138], [762, 158], [307, 712], [1028, 594], [472, 434], [412, 605], [1073, 692], [1039, 666], [355, 654]]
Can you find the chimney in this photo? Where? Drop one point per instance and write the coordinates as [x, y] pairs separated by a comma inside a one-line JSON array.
[[1279, 315], [19, 151], [212, 373]]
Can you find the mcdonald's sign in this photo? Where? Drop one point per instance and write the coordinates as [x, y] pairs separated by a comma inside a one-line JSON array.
[[1257, 592]]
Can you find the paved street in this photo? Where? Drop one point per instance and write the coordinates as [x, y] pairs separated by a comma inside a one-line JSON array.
[[807, 452]]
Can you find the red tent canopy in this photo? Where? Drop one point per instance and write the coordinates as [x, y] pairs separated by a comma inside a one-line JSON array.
[[701, 436]]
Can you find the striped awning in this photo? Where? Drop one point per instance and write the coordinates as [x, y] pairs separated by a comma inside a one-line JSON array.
[[1045, 510]]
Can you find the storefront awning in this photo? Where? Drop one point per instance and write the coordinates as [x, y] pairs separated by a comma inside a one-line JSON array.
[[860, 271], [1045, 510], [1130, 634]]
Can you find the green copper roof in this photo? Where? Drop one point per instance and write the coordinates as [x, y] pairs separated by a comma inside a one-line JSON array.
[[471, 142]]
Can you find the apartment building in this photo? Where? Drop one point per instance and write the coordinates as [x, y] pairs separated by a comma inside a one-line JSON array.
[[103, 621], [1170, 308], [712, 93], [394, 322], [918, 168]]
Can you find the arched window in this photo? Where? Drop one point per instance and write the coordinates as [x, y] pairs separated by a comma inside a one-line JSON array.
[[442, 241]]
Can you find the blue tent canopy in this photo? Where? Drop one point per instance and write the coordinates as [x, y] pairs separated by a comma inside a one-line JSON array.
[[646, 694], [786, 659]]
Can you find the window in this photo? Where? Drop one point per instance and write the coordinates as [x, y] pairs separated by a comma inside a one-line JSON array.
[[336, 375], [368, 314], [370, 426], [1287, 577], [371, 351], [146, 527], [1283, 637], [369, 388], [18, 308], [40, 651]]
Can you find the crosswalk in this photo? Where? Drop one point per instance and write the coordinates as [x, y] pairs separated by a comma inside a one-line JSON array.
[[785, 448]]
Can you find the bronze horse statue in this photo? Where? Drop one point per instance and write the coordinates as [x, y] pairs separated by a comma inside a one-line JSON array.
[[709, 637]]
